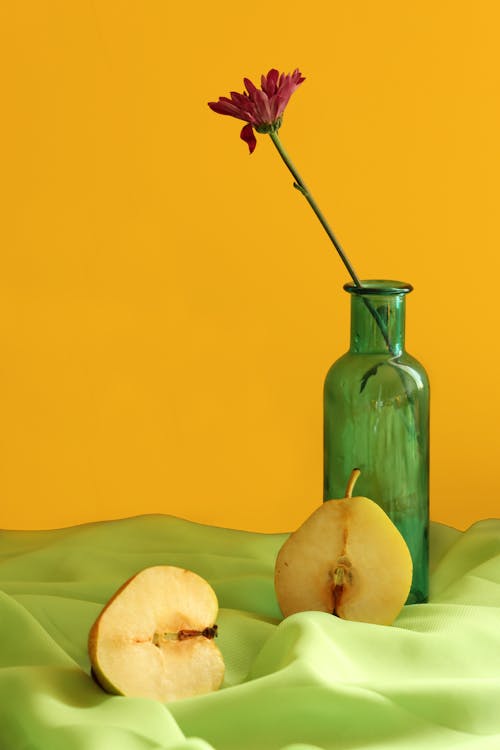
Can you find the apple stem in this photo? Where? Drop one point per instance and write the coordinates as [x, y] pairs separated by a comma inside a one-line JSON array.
[[352, 481]]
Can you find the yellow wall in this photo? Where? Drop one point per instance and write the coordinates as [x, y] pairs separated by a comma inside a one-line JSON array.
[[169, 305]]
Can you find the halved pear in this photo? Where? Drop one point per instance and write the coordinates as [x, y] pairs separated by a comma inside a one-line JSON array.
[[347, 558], [154, 638]]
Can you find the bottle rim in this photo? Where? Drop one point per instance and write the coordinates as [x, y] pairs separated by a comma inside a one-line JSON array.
[[381, 287]]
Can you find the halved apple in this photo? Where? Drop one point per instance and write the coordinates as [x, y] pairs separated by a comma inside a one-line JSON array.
[[154, 638], [347, 558]]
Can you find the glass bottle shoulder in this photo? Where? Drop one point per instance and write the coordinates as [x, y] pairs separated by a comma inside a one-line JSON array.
[[377, 368]]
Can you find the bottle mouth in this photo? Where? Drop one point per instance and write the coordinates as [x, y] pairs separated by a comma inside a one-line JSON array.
[[382, 287]]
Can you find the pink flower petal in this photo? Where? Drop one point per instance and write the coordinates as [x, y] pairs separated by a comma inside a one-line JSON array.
[[270, 82], [250, 87], [263, 108], [225, 107], [248, 136]]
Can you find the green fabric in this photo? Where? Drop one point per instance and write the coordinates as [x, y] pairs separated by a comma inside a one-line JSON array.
[[432, 680]]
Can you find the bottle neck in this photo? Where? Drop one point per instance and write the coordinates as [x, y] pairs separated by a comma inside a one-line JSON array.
[[376, 318]]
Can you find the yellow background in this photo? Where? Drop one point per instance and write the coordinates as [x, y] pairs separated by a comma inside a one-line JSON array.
[[170, 305]]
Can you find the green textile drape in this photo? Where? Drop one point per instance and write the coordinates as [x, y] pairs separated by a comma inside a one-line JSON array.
[[432, 680]]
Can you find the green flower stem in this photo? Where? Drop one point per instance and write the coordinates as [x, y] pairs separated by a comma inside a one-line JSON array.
[[301, 187]]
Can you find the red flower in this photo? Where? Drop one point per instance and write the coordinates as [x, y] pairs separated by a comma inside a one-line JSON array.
[[261, 108]]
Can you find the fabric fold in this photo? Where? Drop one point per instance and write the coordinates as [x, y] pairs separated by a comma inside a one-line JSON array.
[[308, 682]]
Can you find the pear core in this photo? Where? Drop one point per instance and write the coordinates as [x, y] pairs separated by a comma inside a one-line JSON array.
[[348, 559]]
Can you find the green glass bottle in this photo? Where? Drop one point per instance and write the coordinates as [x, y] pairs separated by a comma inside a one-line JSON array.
[[376, 418]]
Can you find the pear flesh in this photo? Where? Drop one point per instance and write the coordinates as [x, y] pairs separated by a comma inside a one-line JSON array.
[[155, 637], [347, 558]]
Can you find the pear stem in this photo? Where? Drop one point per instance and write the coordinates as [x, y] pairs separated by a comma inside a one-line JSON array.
[[338, 576], [352, 481], [338, 580], [183, 635], [207, 633]]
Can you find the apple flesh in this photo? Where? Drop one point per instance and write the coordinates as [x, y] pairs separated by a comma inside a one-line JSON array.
[[155, 637], [347, 558]]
